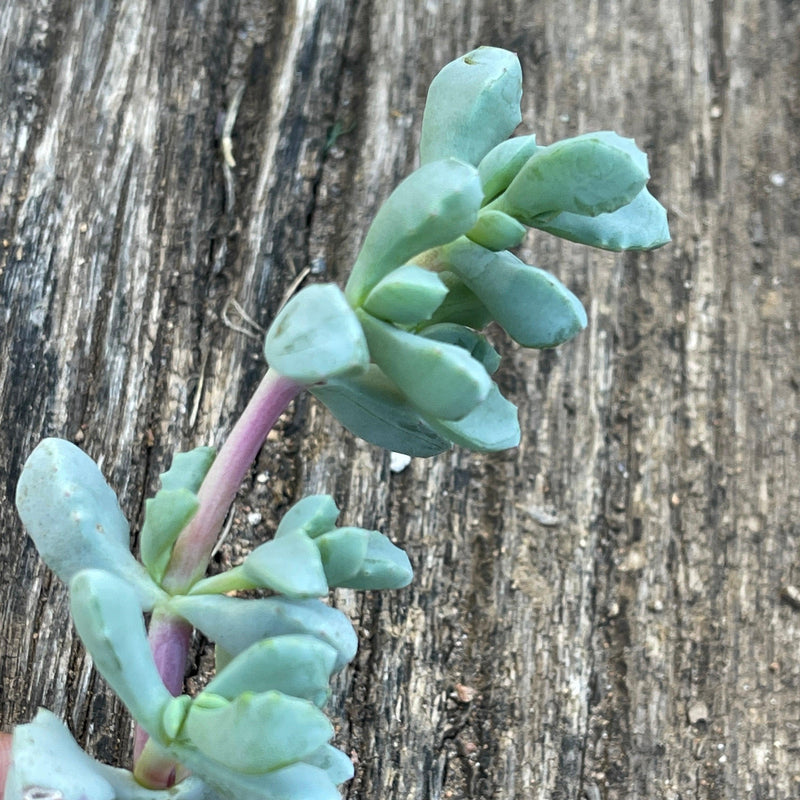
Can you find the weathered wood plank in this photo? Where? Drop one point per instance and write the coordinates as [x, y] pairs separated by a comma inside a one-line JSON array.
[[597, 613]]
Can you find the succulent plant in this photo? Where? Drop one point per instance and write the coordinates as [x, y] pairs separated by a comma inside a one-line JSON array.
[[400, 359]]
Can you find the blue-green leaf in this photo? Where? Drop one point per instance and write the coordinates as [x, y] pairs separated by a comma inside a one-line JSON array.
[[46, 756], [461, 306], [373, 408], [256, 733], [235, 623], [640, 225], [502, 163], [496, 230], [342, 552], [165, 516], [313, 515], [109, 620], [591, 174], [295, 664], [466, 338], [294, 782], [289, 565], [406, 296], [335, 763], [438, 378], [385, 566], [74, 518], [298, 780], [188, 469], [492, 426], [48, 762], [473, 103], [316, 336], [432, 206], [533, 306]]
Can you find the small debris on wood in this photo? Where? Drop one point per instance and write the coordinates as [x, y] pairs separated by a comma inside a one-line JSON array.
[[466, 694], [398, 462], [698, 712], [791, 596], [545, 518]]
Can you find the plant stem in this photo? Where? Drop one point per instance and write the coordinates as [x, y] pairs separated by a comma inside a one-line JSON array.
[[170, 635], [193, 547]]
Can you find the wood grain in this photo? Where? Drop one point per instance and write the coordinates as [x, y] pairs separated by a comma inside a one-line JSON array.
[[600, 613]]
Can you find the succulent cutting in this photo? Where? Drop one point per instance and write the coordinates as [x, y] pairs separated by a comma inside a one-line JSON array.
[[399, 356]]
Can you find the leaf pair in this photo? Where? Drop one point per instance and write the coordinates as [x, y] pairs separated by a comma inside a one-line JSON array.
[[373, 407], [258, 716], [308, 555], [47, 761], [46, 758], [172, 508], [589, 189]]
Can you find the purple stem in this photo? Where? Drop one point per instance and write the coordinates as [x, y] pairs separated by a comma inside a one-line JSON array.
[[193, 548], [170, 636]]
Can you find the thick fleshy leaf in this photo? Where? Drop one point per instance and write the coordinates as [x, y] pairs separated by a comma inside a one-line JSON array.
[[165, 516], [533, 306], [466, 338], [313, 515], [316, 336], [372, 407], [461, 306], [432, 206], [496, 230], [473, 103], [290, 565], [49, 763], [235, 623], [74, 518], [438, 378], [492, 426], [502, 163], [407, 296], [256, 733], [385, 566], [188, 469], [640, 225], [342, 552], [173, 716], [46, 756], [592, 174], [109, 620], [296, 781], [335, 763], [126, 787], [296, 665]]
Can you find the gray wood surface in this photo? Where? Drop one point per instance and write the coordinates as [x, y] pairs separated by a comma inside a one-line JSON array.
[[604, 612]]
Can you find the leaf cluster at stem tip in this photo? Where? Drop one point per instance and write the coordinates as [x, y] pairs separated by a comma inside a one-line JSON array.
[[399, 357]]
